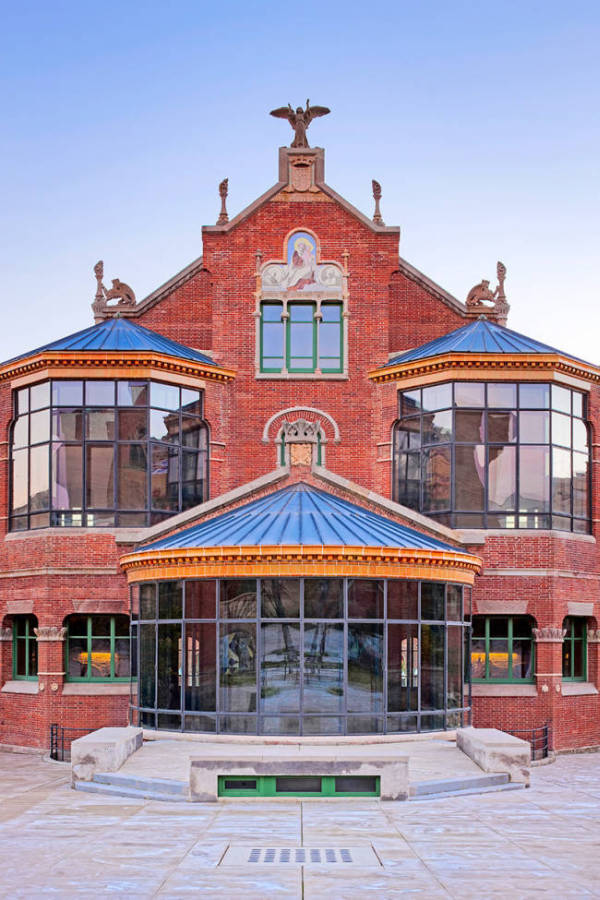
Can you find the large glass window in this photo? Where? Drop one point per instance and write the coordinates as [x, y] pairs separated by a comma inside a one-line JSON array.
[[25, 655], [298, 656], [487, 455], [109, 453], [303, 339], [574, 656], [502, 649], [97, 648]]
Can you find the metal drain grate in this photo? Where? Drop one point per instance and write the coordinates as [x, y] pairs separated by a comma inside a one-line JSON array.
[[300, 856]]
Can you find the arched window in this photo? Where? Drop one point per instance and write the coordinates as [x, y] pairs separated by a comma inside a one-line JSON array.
[[95, 453], [97, 648], [494, 455]]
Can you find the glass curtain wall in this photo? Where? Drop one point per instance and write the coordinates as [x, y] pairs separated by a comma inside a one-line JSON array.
[[95, 453], [300, 656], [494, 455]]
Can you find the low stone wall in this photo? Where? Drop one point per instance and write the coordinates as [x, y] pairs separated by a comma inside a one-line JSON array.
[[496, 751], [104, 750], [204, 771]]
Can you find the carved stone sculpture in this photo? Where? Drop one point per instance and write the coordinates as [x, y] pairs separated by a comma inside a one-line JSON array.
[[223, 191], [480, 295], [121, 292], [377, 217], [481, 300], [300, 120], [549, 635], [300, 432], [50, 633]]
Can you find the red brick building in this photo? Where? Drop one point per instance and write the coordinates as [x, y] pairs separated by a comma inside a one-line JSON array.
[[268, 489]]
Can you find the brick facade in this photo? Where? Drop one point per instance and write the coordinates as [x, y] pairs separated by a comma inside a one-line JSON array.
[[56, 572]]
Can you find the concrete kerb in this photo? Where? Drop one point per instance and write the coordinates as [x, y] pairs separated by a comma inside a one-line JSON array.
[[496, 751], [104, 750]]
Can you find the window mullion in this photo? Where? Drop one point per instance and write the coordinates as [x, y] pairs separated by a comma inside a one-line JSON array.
[[487, 648], [89, 648]]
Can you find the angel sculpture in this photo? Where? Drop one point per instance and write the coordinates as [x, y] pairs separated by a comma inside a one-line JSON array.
[[300, 120]]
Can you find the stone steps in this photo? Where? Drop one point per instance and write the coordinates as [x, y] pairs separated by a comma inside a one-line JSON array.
[[463, 786], [133, 786]]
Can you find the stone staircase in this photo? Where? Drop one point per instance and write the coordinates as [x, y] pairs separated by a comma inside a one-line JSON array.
[[134, 786], [458, 787]]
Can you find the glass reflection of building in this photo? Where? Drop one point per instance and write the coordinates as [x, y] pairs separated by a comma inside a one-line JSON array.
[[300, 655]]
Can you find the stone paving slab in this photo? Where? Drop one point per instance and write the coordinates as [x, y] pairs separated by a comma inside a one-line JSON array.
[[544, 841]]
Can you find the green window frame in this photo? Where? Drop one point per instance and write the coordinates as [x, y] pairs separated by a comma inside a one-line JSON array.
[[574, 650], [269, 786], [501, 639], [25, 657], [301, 340], [82, 647]]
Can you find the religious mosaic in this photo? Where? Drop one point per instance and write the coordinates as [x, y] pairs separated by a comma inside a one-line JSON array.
[[301, 272]]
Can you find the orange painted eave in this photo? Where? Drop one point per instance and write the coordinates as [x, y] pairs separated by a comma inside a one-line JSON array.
[[107, 361], [503, 361]]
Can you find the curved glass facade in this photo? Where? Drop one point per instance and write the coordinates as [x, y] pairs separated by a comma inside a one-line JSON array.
[[494, 455], [299, 656], [103, 452]]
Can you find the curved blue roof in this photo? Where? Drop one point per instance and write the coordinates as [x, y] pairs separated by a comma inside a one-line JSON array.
[[117, 335], [480, 336], [296, 515]]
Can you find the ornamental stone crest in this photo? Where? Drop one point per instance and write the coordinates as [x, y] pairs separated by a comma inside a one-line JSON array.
[[121, 292]]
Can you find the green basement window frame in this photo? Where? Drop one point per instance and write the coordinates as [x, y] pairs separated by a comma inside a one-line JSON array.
[[574, 655], [97, 648], [25, 656], [303, 340], [299, 786], [502, 649]]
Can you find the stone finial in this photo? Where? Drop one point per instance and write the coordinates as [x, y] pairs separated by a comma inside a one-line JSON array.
[[377, 217], [549, 635], [121, 292], [223, 192], [300, 119], [50, 633], [482, 302]]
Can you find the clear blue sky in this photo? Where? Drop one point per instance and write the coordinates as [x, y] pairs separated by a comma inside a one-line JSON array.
[[480, 120]]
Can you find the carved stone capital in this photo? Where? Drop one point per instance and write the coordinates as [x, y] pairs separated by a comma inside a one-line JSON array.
[[549, 635], [300, 432], [593, 635], [50, 633], [6, 633]]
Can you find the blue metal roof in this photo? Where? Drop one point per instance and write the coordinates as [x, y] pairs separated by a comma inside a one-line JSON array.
[[480, 336], [118, 334], [297, 515]]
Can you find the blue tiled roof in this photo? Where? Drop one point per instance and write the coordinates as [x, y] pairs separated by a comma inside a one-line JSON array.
[[479, 336], [117, 335], [297, 515]]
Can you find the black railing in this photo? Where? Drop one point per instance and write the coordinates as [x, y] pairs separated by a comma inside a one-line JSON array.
[[60, 741], [539, 738]]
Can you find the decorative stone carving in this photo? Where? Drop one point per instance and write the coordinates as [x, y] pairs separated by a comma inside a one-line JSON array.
[[223, 191], [549, 635], [300, 432], [593, 635], [377, 217], [301, 454], [50, 633], [301, 174], [6, 633], [121, 292], [300, 120], [481, 300]]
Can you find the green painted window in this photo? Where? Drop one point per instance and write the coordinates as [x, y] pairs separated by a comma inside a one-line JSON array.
[[302, 340], [25, 657], [97, 648], [574, 656], [298, 786], [502, 649]]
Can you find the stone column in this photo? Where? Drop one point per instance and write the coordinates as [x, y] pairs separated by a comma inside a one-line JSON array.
[[6, 651], [548, 669], [51, 660]]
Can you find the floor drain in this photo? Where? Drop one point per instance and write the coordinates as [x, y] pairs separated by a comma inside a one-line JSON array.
[[339, 857]]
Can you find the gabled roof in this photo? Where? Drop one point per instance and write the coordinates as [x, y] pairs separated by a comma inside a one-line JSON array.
[[300, 515], [118, 335], [480, 336]]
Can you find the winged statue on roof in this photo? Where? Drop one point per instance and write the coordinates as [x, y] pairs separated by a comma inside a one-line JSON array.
[[300, 119]]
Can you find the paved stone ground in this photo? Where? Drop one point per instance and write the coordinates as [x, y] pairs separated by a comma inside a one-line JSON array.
[[519, 844]]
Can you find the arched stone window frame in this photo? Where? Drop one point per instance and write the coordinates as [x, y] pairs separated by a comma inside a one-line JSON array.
[[327, 431], [339, 295]]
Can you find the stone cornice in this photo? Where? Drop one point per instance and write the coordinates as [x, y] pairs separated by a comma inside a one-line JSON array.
[[390, 562], [493, 366], [113, 364]]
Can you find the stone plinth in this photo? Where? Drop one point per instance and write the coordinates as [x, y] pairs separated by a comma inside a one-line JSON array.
[[496, 751], [104, 750]]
